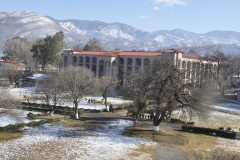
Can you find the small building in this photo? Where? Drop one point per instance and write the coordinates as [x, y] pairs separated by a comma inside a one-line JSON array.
[[31, 80]]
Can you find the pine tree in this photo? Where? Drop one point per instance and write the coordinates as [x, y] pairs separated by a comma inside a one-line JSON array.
[[93, 45]]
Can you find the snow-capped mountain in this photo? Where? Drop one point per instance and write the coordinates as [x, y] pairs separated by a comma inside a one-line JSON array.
[[77, 32], [28, 24], [31, 26], [115, 33]]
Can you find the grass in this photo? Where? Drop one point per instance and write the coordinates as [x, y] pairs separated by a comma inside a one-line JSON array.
[[4, 136], [12, 134], [215, 154], [192, 143], [199, 141], [43, 116], [143, 149], [140, 131], [72, 122]]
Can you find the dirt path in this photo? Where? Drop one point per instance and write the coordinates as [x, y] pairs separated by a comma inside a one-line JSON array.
[[166, 139]]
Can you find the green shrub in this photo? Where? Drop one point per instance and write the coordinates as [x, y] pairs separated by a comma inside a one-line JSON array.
[[33, 116], [9, 128], [41, 122], [21, 125], [33, 123], [14, 128], [56, 120]]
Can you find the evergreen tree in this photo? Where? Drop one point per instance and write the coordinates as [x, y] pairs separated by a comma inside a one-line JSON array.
[[93, 45], [47, 51]]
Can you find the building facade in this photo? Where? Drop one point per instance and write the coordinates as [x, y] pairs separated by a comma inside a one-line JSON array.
[[123, 63]]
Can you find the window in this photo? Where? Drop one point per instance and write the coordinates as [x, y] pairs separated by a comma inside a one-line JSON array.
[[87, 60], [179, 64], [114, 69], [65, 58]]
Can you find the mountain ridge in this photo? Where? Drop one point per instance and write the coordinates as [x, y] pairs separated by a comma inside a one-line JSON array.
[[32, 26]]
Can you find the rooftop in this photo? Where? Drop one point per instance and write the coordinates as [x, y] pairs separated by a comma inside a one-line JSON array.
[[11, 62]]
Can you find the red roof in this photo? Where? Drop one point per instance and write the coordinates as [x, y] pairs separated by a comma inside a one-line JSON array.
[[196, 57], [139, 53], [191, 57], [117, 53], [11, 62], [109, 54], [76, 50], [89, 52]]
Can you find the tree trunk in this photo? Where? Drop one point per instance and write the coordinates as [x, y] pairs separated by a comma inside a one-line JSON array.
[[51, 113], [105, 101], [157, 120], [155, 128], [76, 110]]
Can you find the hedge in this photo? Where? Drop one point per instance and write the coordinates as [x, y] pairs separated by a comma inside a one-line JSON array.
[[210, 131], [14, 128], [173, 120]]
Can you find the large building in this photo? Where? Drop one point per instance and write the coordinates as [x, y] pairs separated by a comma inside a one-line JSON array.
[[123, 63]]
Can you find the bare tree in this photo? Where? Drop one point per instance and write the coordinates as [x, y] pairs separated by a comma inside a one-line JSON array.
[[225, 66], [18, 49], [7, 100], [117, 49], [106, 85], [11, 72], [77, 82], [50, 91], [164, 85], [9, 105], [197, 48]]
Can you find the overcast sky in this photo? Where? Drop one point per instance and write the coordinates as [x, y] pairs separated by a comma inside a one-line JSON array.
[[198, 16]]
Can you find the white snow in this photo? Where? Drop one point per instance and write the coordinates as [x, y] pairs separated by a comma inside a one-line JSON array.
[[39, 76], [229, 145], [30, 91], [20, 117], [55, 141], [227, 106]]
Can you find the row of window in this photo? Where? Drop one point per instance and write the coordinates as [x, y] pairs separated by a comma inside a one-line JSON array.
[[196, 65], [138, 61], [94, 61]]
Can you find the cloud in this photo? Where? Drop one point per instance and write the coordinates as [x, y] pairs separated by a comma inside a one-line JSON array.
[[141, 16], [170, 13], [156, 8], [171, 2]]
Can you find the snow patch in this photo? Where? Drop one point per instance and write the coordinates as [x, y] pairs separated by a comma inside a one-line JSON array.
[[55, 141]]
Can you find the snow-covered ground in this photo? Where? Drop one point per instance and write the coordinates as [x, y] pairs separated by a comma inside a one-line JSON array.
[[227, 117], [30, 91], [55, 141], [229, 145], [227, 106], [13, 116]]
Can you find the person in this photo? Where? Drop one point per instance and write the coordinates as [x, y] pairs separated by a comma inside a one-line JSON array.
[[88, 101]]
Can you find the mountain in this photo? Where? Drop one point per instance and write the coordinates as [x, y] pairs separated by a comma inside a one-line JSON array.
[[125, 36], [111, 35], [31, 26]]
